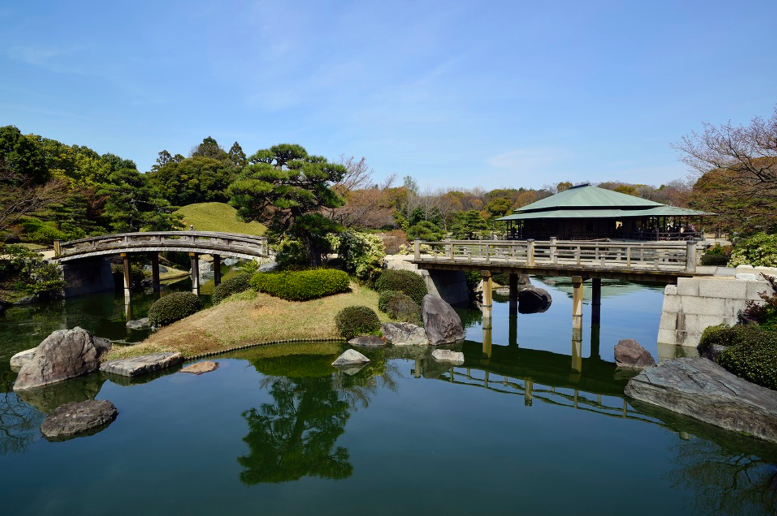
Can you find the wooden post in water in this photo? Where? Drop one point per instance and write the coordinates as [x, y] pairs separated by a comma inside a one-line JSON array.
[[487, 337], [155, 271], [527, 393], [577, 307], [488, 287], [127, 278], [513, 294], [217, 269], [195, 273], [596, 301]]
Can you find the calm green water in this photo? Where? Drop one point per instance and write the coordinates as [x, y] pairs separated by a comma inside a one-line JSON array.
[[518, 432]]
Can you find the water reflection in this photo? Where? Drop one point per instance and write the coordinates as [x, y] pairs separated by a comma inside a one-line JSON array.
[[19, 424]]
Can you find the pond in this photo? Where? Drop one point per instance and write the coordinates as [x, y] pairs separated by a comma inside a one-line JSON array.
[[521, 427]]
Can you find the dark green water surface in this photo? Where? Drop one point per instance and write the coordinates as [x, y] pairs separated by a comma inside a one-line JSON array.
[[524, 427]]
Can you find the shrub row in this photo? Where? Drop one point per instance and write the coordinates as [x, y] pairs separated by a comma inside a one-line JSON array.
[[173, 307], [402, 281], [751, 351], [353, 321], [301, 285], [719, 260], [233, 285]]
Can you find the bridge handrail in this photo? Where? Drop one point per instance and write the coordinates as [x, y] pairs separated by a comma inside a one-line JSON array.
[[85, 245], [660, 256]]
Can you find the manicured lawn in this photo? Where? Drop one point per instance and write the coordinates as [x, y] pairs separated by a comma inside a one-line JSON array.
[[217, 216]]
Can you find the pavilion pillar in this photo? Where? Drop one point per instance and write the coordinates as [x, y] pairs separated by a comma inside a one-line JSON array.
[[155, 271], [596, 301], [195, 261], [217, 269], [513, 294]]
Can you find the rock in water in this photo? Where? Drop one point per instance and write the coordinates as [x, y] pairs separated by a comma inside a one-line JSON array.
[[200, 367], [63, 354], [137, 366], [441, 322], [446, 355], [404, 334], [349, 358], [532, 300], [628, 353], [75, 418], [700, 388], [21, 358], [367, 341], [139, 324]]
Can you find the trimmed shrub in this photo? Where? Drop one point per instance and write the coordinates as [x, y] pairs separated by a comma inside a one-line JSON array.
[[301, 285], [719, 260], [403, 281], [353, 321], [384, 299], [400, 306], [173, 307], [755, 358], [233, 285]]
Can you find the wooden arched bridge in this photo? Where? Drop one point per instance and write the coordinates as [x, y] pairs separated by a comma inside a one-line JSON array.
[[195, 243]]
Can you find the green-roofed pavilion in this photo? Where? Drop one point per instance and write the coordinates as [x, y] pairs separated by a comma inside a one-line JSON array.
[[586, 212]]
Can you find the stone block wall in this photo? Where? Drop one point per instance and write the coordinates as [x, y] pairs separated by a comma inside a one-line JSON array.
[[449, 285], [696, 303]]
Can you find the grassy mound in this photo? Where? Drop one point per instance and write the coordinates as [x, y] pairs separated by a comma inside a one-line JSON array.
[[217, 216]]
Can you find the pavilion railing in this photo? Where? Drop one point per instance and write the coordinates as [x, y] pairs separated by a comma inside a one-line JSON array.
[[651, 256]]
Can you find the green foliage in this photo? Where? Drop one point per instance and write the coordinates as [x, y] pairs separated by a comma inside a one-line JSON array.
[[136, 276], [41, 232], [285, 188], [353, 321], [753, 356], [173, 307], [21, 156], [758, 250], [468, 225], [362, 253], [301, 285], [425, 230], [290, 253], [194, 180], [233, 285], [403, 281], [134, 205], [27, 271], [502, 279], [399, 306], [718, 260], [473, 278], [765, 314]]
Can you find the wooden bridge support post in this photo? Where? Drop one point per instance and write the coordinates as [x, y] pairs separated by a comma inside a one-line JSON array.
[[488, 287], [577, 306], [513, 294], [127, 278], [487, 342], [217, 269], [195, 260], [512, 331], [577, 354], [595, 334], [596, 301], [155, 271], [527, 393]]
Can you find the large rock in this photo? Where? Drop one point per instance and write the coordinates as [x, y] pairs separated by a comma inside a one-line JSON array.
[[441, 322], [446, 355], [21, 358], [137, 366], [700, 388], [404, 334], [628, 353], [532, 300], [62, 355], [72, 419], [367, 341], [351, 357], [139, 324]]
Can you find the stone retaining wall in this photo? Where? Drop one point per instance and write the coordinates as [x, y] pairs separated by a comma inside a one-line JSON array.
[[449, 285], [696, 303]]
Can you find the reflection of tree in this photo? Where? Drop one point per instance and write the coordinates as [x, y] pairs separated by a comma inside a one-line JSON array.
[[725, 482], [18, 424], [295, 436]]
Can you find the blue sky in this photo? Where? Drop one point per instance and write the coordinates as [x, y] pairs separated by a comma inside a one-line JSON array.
[[453, 93]]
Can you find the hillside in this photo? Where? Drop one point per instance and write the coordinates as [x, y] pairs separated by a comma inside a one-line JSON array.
[[217, 216]]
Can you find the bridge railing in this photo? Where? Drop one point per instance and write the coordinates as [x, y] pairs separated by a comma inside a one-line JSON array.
[[658, 256], [233, 242]]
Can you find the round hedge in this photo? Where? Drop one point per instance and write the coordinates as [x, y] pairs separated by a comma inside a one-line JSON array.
[[399, 306], [402, 281], [353, 321], [301, 285], [233, 285], [173, 307]]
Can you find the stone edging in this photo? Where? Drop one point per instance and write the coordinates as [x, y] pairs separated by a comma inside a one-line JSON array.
[[258, 344]]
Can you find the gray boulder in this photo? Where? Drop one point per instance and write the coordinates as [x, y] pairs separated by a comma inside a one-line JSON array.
[[71, 419], [200, 367], [446, 355], [441, 322], [404, 334], [351, 357], [532, 300], [628, 353], [62, 355], [139, 324], [137, 366], [700, 388], [21, 358], [367, 341]]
